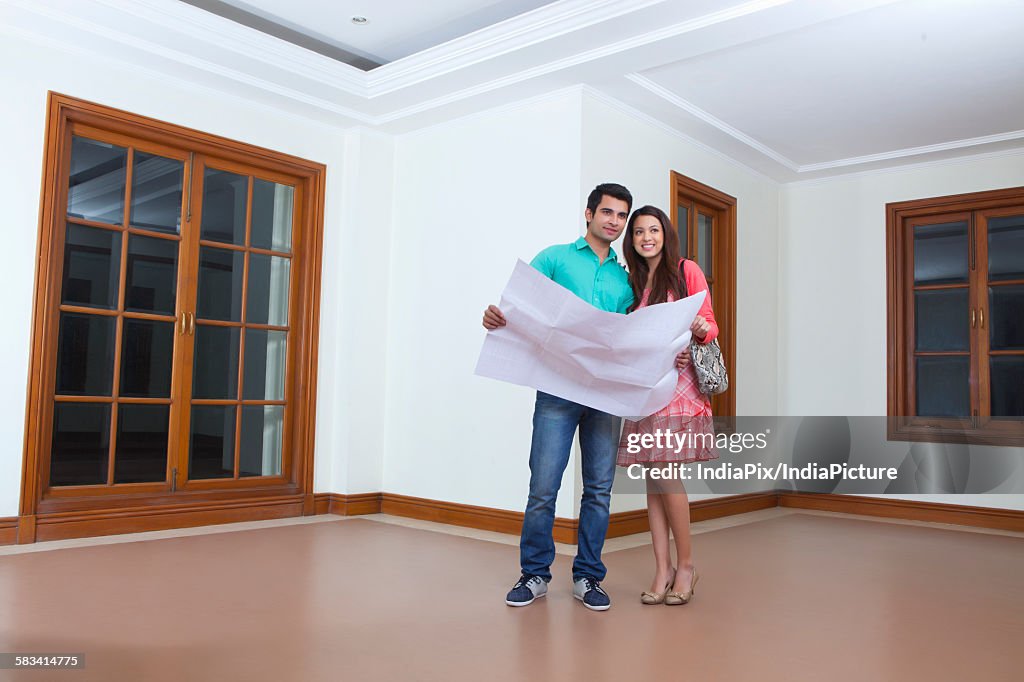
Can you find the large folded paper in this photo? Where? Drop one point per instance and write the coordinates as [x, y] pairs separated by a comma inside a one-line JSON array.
[[558, 343]]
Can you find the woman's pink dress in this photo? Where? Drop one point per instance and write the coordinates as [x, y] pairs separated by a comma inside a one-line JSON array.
[[689, 411]]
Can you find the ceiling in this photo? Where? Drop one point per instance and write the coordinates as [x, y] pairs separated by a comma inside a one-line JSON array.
[[793, 89]]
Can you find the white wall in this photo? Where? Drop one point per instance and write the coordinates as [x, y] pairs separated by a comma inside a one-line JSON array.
[[471, 196], [29, 72], [833, 283]]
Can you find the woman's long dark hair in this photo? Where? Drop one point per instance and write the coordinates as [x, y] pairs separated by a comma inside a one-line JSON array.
[[667, 277]]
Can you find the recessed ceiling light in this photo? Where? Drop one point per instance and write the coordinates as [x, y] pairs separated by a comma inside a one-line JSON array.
[[360, 20]]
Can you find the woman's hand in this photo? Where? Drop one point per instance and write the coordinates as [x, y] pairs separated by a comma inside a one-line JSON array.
[[700, 327], [683, 359], [493, 318]]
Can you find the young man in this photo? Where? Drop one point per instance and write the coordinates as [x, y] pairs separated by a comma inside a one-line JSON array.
[[589, 268]]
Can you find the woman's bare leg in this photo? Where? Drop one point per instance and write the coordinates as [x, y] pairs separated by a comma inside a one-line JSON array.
[[677, 508], [659, 537]]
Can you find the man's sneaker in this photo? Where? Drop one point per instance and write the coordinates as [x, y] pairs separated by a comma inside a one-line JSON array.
[[589, 591], [528, 588]]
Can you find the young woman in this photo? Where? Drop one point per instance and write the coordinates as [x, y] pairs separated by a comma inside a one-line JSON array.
[[658, 275]]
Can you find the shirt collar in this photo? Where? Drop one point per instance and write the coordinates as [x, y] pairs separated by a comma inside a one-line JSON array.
[[581, 244]]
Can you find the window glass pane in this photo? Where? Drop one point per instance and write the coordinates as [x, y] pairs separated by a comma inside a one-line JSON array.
[[704, 237], [942, 387], [97, 181], [225, 197], [271, 215], [215, 367], [141, 452], [1006, 248], [267, 299], [1007, 381], [265, 358], [152, 277], [85, 355], [156, 192], [92, 267], [1006, 310], [260, 453], [220, 284], [942, 320], [147, 350], [683, 229], [212, 445], [940, 253], [81, 443]]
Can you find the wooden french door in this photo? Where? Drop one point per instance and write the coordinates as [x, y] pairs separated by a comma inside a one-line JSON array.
[[177, 297], [706, 221]]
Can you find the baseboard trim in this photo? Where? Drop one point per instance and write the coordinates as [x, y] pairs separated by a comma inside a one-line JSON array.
[[8, 530], [65, 525], [910, 510]]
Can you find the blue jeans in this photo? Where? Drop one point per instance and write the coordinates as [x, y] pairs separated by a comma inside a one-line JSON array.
[[554, 424]]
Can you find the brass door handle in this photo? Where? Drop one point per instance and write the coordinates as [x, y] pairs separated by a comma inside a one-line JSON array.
[[974, 319], [184, 323], [191, 324], [981, 314]]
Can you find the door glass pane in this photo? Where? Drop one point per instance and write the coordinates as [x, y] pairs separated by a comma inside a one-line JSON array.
[[92, 267], [156, 192], [1007, 380], [225, 198], [704, 237], [215, 366], [212, 444], [942, 387], [683, 228], [152, 276], [1006, 310], [85, 355], [271, 215], [260, 453], [81, 443], [1006, 248], [267, 297], [97, 181], [220, 284], [942, 320], [141, 452], [265, 358], [940, 253], [146, 352]]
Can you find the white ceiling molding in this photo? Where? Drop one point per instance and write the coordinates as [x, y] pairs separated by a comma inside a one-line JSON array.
[[635, 113], [678, 101], [914, 151]]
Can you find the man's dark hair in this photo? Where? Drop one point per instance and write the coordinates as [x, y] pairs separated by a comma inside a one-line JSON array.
[[611, 189]]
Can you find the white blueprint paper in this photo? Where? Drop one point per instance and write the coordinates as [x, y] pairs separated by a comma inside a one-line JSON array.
[[558, 343]]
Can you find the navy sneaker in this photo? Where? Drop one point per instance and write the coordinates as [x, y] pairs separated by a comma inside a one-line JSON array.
[[528, 588], [588, 591]]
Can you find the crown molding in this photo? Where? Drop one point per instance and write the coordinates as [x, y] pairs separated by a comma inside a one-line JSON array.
[[243, 40], [640, 116], [544, 23], [677, 101], [906, 167], [914, 151]]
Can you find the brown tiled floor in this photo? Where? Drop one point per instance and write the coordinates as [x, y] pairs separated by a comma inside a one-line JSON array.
[[789, 597]]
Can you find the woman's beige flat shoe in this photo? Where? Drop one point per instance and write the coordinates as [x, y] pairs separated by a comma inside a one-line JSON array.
[[678, 598], [651, 598]]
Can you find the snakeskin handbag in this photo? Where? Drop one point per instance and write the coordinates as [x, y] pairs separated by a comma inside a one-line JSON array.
[[708, 364]]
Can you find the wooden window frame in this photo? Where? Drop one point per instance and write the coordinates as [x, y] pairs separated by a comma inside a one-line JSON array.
[[723, 259], [903, 424], [65, 513]]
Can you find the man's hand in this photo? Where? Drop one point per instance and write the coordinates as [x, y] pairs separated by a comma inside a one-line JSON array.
[[493, 318], [700, 327]]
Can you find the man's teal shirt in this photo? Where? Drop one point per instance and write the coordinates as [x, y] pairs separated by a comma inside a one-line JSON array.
[[576, 267]]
